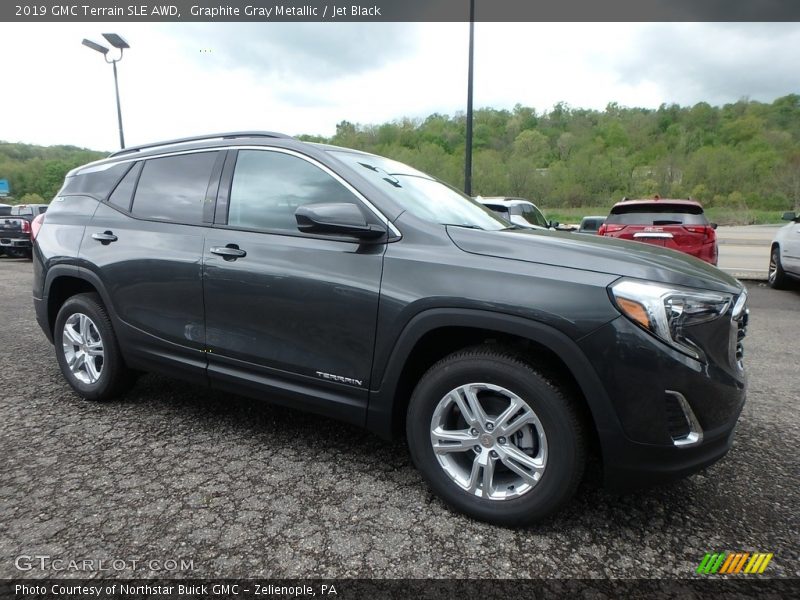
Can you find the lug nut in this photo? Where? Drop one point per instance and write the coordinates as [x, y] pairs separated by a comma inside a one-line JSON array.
[[494, 454], [489, 426], [477, 448], [473, 431], [501, 440]]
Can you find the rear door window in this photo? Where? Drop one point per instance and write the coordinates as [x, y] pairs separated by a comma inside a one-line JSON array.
[[174, 188]]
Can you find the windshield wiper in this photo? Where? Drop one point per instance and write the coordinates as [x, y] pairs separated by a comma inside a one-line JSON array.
[[465, 225]]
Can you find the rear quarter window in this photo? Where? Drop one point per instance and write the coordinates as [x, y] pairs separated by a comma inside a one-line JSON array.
[[657, 214], [96, 182]]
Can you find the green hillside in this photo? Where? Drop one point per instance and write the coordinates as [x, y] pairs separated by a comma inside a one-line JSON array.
[[741, 159]]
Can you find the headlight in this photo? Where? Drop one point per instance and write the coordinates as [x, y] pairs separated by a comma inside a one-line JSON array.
[[667, 311]]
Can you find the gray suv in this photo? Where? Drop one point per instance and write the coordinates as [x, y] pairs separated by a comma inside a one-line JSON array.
[[354, 286]]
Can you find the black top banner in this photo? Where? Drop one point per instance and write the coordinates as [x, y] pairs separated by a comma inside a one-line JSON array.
[[401, 10]]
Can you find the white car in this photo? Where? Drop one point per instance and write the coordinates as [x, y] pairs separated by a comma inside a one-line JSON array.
[[784, 257], [518, 211]]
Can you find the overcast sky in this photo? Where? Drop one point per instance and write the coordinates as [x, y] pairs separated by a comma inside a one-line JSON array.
[[182, 79]]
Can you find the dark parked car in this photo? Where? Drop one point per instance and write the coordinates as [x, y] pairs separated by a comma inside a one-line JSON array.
[[357, 287], [591, 225], [677, 224], [16, 226]]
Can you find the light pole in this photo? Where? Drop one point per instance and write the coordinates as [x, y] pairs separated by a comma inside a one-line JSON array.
[[468, 149], [120, 44]]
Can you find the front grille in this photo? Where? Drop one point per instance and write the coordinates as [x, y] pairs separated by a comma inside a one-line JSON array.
[[677, 424]]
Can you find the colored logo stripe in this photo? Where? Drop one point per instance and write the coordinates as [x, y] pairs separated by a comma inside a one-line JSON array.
[[733, 563], [758, 563]]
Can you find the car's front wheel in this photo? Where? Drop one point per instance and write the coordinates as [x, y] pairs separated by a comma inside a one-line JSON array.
[[776, 276], [495, 438], [87, 350]]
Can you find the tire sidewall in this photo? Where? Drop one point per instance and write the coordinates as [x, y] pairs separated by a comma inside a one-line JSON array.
[[564, 456], [84, 304], [779, 282]]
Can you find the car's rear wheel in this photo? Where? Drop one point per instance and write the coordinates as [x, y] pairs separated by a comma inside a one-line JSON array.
[[495, 438], [776, 276], [87, 350]]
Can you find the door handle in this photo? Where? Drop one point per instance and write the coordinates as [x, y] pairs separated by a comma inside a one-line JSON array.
[[229, 252], [104, 238]]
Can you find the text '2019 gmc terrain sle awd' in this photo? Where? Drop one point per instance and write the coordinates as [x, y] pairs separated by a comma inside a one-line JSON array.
[[357, 287]]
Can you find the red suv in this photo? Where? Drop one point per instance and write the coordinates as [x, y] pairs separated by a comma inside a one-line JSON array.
[[677, 224]]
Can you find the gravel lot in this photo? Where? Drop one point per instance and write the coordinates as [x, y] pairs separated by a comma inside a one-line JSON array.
[[245, 489]]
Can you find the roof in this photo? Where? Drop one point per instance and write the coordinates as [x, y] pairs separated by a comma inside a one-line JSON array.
[[201, 142], [504, 200], [657, 200]]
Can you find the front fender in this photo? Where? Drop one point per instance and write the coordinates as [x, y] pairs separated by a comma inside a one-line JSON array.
[[382, 400]]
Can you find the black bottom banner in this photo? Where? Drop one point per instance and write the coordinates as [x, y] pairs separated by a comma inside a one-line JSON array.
[[417, 589]]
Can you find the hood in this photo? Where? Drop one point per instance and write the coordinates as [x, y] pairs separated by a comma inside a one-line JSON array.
[[595, 253]]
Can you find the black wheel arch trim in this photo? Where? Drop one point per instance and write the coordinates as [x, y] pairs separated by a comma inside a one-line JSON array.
[[381, 405], [74, 272]]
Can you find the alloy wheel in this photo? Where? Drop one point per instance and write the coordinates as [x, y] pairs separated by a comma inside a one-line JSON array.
[[83, 348], [489, 441]]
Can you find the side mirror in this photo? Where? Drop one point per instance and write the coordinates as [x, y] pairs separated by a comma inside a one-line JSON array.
[[337, 218], [713, 225], [789, 216], [554, 224]]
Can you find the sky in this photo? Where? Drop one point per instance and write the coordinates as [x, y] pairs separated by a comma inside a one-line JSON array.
[[183, 79]]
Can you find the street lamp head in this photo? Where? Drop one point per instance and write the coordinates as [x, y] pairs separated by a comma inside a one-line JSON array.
[[95, 46], [116, 40]]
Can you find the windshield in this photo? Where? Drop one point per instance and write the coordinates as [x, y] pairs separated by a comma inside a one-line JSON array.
[[421, 195]]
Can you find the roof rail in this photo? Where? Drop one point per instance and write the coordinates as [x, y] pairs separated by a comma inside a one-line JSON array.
[[200, 138]]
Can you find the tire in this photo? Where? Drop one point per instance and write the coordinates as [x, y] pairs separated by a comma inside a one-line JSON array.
[[99, 377], [777, 278], [546, 455]]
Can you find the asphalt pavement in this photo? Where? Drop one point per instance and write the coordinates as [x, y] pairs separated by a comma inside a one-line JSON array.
[[228, 487]]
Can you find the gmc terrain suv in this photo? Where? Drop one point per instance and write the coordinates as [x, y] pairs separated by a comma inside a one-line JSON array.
[[357, 287]]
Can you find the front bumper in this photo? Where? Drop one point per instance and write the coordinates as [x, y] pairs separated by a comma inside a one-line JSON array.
[[642, 378], [628, 464]]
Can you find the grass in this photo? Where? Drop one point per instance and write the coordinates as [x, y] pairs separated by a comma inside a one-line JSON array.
[[719, 215]]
